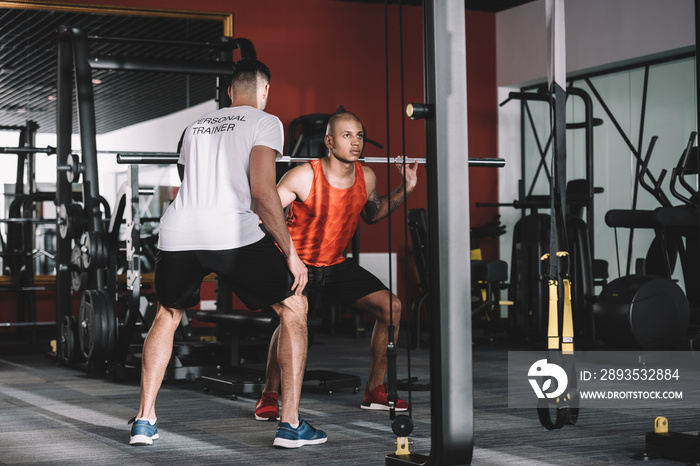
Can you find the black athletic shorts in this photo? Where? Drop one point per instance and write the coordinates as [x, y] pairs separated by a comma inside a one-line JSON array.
[[257, 273], [343, 283]]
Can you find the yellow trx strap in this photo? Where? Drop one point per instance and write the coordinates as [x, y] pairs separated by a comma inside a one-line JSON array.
[[553, 326], [567, 333]]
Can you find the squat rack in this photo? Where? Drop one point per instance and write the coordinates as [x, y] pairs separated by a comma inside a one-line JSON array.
[[74, 71], [19, 251]]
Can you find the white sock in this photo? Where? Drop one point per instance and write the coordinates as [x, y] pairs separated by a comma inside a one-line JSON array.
[[294, 426], [150, 421]]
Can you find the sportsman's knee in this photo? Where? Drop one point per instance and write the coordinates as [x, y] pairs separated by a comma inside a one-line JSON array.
[[169, 314], [391, 310], [294, 307], [395, 309]]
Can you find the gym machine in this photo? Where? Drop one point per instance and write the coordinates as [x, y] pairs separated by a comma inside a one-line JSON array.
[[662, 442], [243, 334], [108, 331], [488, 277], [106, 334], [243, 380], [648, 309], [529, 294], [29, 252], [29, 246]]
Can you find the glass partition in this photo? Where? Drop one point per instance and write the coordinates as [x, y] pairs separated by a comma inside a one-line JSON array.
[[635, 105]]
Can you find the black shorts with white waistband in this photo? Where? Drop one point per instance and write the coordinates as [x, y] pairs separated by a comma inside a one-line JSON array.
[[343, 283], [257, 273]]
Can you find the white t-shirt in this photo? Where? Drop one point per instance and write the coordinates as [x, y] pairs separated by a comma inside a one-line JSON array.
[[213, 209]]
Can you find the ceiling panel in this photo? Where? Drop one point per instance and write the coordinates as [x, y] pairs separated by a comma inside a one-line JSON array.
[[28, 67]]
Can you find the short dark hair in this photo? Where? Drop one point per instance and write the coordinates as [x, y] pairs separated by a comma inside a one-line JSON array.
[[248, 69]]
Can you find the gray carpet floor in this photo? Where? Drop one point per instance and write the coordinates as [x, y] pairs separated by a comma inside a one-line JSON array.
[[52, 414]]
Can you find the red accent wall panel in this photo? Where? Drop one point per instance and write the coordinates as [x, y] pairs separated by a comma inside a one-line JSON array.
[[325, 53]]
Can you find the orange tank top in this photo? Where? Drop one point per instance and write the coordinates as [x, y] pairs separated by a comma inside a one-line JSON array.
[[322, 226]]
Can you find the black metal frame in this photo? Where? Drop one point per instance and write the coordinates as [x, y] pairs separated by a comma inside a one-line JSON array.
[[678, 446], [530, 200], [74, 68], [23, 209], [636, 150]]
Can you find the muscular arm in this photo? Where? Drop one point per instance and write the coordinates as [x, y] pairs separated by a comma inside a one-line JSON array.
[[378, 207], [295, 184], [269, 208]]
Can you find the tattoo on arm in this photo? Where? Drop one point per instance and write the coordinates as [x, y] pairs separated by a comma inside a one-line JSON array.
[[372, 207], [397, 197], [395, 203]]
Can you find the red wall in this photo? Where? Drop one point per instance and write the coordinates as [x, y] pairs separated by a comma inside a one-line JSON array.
[[482, 121], [325, 53]]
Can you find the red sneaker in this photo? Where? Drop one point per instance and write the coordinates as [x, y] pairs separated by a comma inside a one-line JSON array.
[[267, 408], [376, 399]]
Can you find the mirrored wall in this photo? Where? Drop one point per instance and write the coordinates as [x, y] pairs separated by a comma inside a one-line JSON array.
[[630, 107]]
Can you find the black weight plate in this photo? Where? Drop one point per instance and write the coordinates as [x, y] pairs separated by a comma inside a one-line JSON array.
[[78, 280], [71, 220], [402, 425], [109, 324], [78, 276], [95, 250], [91, 326], [101, 332], [104, 247], [86, 325], [73, 174], [76, 220], [63, 221], [87, 241], [68, 340]]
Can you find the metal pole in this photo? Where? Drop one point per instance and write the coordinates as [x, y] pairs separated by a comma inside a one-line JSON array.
[[29, 140], [88, 131], [223, 81], [452, 436], [697, 96], [64, 130], [29, 230], [21, 162], [88, 141], [159, 65]]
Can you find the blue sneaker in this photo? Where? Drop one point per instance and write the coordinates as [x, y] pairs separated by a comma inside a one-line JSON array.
[[142, 432], [305, 434]]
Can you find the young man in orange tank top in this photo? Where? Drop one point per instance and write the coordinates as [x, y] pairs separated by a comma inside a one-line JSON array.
[[326, 198]]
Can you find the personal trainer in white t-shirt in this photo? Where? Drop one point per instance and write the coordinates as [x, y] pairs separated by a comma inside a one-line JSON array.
[[229, 160]]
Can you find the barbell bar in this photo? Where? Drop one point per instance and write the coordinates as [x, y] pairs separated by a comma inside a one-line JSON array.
[[165, 158], [28, 220], [50, 150], [28, 150], [172, 157]]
